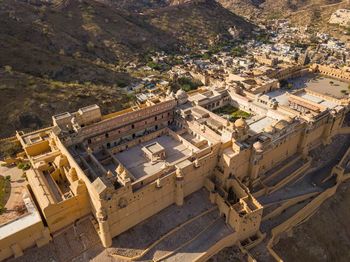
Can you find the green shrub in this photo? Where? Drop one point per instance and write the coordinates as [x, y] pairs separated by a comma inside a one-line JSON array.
[[23, 166], [188, 84], [26, 166], [121, 83], [238, 51], [186, 87], [9, 149], [154, 65], [239, 114], [206, 56], [2, 209]]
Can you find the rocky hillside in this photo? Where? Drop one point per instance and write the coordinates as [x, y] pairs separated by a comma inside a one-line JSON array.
[[301, 12], [137, 5], [28, 102], [85, 45], [84, 41], [90, 41], [198, 23], [271, 8]]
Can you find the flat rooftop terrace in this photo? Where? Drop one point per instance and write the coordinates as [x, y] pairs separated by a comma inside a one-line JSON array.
[[134, 160], [258, 125], [30, 218], [321, 84], [282, 98], [315, 83]]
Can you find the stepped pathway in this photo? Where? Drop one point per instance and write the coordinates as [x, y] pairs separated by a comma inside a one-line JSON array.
[[285, 172], [275, 172], [182, 236], [199, 245]]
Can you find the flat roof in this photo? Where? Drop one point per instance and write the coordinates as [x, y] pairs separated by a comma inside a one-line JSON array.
[[281, 96], [198, 97], [62, 115], [138, 165], [315, 83], [311, 98], [259, 125], [90, 107], [21, 223], [154, 147], [321, 84]]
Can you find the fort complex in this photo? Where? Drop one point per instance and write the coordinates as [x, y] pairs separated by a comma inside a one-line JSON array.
[[209, 153]]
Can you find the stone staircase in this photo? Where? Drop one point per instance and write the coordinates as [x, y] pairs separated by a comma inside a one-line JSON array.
[[184, 234], [195, 240], [211, 240]]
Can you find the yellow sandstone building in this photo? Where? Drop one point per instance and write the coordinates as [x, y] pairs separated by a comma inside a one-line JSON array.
[[126, 167]]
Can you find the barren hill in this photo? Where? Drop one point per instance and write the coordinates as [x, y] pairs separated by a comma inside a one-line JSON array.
[[196, 22], [81, 42], [272, 8], [89, 42]]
